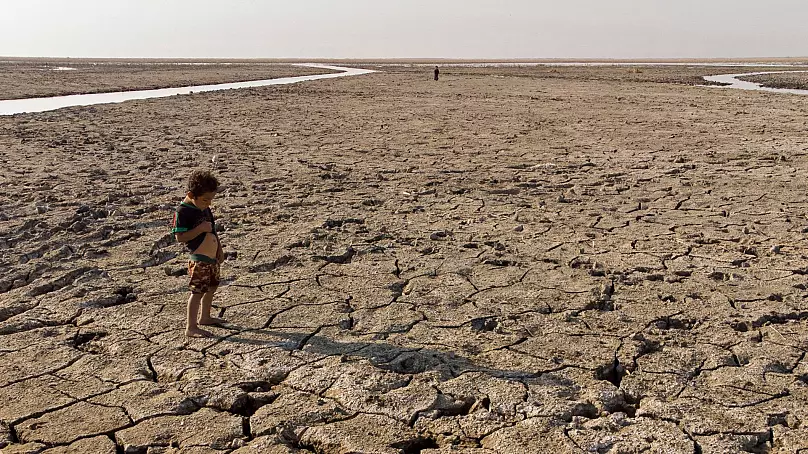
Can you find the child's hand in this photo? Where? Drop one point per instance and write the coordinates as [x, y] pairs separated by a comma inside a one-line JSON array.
[[220, 255]]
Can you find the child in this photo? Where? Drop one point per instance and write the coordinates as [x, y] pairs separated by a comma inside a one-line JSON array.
[[194, 225]]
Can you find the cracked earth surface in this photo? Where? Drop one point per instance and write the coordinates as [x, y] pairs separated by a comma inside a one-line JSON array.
[[791, 80], [507, 261], [26, 78]]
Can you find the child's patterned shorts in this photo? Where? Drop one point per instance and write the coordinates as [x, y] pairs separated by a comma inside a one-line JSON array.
[[204, 276]]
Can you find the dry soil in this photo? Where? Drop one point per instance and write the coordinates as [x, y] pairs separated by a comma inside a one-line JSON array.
[[795, 80], [40, 78], [505, 261]]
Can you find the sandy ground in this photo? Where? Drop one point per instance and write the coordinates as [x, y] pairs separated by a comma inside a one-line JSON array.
[[505, 261], [38, 78]]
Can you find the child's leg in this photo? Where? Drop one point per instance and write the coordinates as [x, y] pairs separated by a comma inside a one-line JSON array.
[[207, 302], [191, 327]]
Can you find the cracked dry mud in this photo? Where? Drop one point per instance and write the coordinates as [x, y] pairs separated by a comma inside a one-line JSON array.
[[25, 78], [500, 262], [790, 80]]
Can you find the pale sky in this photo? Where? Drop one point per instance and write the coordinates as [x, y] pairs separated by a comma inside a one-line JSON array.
[[404, 28]]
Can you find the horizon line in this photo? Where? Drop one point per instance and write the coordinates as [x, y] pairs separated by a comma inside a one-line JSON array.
[[420, 59]]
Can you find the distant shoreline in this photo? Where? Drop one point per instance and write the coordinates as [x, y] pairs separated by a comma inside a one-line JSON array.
[[784, 60]]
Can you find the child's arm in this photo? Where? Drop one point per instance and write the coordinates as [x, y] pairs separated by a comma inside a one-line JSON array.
[[184, 237]]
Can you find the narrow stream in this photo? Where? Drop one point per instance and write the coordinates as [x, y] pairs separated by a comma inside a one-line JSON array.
[[737, 84], [17, 106]]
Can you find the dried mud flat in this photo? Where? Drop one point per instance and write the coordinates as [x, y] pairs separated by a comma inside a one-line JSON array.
[[494, 263], [796, 80], [38, 78]]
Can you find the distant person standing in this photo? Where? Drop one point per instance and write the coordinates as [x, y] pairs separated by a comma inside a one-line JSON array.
[[437, 73]]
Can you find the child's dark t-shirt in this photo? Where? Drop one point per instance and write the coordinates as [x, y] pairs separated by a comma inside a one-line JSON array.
[[187, 217]]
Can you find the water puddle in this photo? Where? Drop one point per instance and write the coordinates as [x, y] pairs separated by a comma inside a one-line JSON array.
[[30, 105], [734, 82]]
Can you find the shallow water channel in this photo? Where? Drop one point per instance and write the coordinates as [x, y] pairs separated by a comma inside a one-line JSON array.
[[734, 82], [29, 105]]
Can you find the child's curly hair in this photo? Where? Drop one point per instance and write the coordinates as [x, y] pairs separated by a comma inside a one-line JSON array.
[[201, 182]]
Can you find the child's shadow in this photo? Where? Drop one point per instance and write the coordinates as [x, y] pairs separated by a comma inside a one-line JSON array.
[[385, 356]]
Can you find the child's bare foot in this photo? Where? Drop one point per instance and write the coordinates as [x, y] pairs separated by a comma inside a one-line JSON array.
[[197, 332], [212, 321]]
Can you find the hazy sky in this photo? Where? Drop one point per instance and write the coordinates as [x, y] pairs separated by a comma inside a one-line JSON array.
[[404, 28]]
